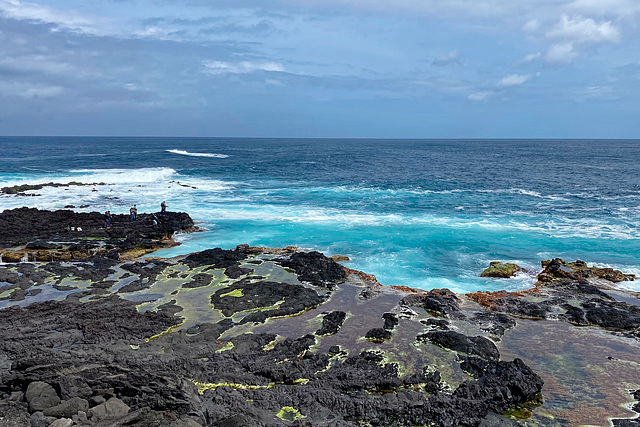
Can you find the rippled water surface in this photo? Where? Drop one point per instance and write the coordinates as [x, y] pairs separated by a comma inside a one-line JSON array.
[[422, 213]]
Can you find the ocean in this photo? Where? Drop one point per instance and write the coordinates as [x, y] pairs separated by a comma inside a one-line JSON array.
[[420, 213]]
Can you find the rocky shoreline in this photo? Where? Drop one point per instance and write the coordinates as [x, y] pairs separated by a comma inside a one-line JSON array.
[[94, 336]]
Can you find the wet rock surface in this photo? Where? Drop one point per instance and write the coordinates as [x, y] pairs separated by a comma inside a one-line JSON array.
[[452, 340], [68, 235], [572, 292], [332, 322], [501, 270], [316, 268], [199, 341]]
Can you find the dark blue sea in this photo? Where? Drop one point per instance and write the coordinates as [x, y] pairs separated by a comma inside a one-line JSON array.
[[421, 213]]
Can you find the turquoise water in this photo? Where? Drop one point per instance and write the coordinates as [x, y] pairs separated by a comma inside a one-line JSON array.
[[425, 214]]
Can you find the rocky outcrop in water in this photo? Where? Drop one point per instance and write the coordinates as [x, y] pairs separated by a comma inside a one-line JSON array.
[[572, 292], [501, 270], [37, 235]]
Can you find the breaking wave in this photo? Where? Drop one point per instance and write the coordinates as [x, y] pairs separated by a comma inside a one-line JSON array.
[[187, 153]]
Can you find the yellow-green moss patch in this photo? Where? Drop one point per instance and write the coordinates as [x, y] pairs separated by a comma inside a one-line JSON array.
[[202, 387], [287, 413], [228, 346], [235, 293]]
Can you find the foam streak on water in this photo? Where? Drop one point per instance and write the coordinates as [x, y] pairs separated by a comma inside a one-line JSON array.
[[424, 214]]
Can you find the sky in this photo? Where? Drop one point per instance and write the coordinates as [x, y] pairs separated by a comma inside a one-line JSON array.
[[321, 68]]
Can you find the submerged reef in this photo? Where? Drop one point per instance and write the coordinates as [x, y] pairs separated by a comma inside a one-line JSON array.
[[273, 337]]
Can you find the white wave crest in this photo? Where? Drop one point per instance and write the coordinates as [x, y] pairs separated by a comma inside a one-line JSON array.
[[122, 176], [186, 153]]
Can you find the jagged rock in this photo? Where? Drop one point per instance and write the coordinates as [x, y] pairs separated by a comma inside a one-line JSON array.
[[112, 408], [235, 272], [67, 408], [238, 420], [378, 335], [332, 322], [97, 400], [390, 320], [316, 268], [216, 258], [246, 295], [500, 270], [512, 303], [13, 414], [558, 268], [62, 422], [494, 323], [456, 341], [438, 302], [441, 324], [41, 396], [38, 420], [81, 418]]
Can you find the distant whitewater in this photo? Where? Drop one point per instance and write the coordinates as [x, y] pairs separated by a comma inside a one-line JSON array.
[[186, 153], [426, 214]]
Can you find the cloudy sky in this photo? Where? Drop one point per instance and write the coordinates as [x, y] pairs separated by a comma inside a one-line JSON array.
[[321, 68]]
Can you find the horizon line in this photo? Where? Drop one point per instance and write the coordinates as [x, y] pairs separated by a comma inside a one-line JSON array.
[[336, 138]]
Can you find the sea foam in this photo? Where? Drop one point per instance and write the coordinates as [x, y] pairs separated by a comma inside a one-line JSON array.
[[186, 153]]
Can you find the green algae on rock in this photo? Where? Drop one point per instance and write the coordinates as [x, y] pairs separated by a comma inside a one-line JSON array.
[[500, 270]]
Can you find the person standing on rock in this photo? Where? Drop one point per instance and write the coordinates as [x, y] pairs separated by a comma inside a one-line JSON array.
[[133, 213], [163, 207], [107, 220]]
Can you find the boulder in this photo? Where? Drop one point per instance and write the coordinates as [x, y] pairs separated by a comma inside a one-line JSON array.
[[38, 420], [112, 408], [62, 422], [501, 270], [41, 396], [68, 408]]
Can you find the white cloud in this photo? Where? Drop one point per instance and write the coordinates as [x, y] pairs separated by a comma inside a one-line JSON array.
[[244, 67], [579, 29], [531, 26], [532, 57], [514, 80], [15, 9], [480, 96], [561, 53], [451, 58], [624, 8]]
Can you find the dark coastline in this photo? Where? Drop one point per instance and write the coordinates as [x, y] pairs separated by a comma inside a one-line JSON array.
[[289, 338]]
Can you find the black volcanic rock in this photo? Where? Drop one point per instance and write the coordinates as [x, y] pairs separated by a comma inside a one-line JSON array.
[[216, 258], [378, 335], [558, 268], [456, 341], [246, 295], [316, 268], [23, 225], [390, 321], [332, 322], [438, 302]]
